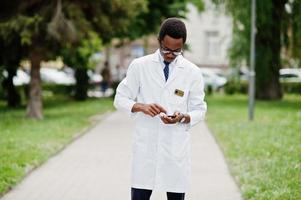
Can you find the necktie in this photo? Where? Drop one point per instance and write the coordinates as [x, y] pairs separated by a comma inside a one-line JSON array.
[[166, 70]]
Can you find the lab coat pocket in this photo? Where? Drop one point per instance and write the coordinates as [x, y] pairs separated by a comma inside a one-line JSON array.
[[177, 102], [144, 142], [177, 99], [180, 144]]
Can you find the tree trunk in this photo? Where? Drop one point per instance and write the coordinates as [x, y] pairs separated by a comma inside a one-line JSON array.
[[268, 46], [108, 55], [81, 87], [34, 107], [146, 44], [123, 54], [13, 97]]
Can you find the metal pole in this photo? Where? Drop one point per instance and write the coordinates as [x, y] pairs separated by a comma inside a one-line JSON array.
[[252, 62]]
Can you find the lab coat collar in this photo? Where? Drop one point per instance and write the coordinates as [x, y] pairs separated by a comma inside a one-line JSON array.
[[177, 62], [178, 67]]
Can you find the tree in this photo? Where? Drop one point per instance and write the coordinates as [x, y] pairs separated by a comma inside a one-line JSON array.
[[292, 31], [29, 23], [149, 19], [271, 20], [10, 62], [104, 18], [45, 26], [80, 59], [268, 48]]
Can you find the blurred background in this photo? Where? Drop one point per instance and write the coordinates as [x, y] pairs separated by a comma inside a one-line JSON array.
[[61, 61]]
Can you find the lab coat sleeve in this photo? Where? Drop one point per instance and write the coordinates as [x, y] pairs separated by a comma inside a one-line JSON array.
[[197, 107], [127, 90]]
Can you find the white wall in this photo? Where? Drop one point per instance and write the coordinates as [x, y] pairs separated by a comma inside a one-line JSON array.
[[209, 35]]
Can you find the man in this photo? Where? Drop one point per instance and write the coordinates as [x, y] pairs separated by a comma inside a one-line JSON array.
[[106, 78], [165, 94]]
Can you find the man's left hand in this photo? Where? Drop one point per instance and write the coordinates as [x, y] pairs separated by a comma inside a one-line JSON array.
[[176, 117]]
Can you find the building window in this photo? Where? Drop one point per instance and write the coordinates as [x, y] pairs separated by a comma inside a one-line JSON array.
[[213, 44]]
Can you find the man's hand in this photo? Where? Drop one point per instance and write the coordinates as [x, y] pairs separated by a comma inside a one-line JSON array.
[[175, 118], [148, 109]]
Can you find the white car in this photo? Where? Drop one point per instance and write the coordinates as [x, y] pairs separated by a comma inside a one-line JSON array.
[[290, 75], [94, 78], [21, 77], [53, 75], [212, 79]]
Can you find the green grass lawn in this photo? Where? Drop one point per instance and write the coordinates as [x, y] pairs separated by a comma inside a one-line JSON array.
[[25, 144], [264, 155]]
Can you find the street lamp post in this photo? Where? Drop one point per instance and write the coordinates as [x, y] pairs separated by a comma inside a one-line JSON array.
[[252, 62]]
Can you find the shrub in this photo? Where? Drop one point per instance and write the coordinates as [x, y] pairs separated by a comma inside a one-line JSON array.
[[291, 87]]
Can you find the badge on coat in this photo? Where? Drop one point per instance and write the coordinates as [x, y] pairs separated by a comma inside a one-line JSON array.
[[179, 93]]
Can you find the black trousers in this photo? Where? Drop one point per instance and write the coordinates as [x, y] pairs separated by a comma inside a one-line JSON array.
[[143, 194]]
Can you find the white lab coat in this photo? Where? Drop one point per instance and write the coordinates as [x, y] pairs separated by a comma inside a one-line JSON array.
[[161, 153]]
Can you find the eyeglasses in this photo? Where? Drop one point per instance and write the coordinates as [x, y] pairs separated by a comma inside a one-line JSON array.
[[165, 50]]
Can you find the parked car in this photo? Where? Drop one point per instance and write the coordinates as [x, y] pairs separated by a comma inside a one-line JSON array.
[[21, 77], [94, 78], [53, 75], [213, 79], [292, 75]]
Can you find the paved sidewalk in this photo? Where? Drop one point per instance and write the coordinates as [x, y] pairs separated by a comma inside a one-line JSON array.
[[97, 167]]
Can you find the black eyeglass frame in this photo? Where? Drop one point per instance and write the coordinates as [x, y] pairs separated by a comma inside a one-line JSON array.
[[165, 50]]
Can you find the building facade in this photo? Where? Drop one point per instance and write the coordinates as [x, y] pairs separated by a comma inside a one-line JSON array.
[[208, 40], [209, 36]]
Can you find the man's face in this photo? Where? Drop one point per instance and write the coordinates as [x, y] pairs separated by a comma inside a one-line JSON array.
[[170, 48]]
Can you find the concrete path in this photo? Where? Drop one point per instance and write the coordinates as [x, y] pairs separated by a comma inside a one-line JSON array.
[[97, 167]]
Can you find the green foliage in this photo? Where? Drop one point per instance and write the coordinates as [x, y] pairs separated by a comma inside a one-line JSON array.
[[240, 12], [110, 18], [296, 29], [23, 25], [231, 87], [263, 155], [291, 87], [51, 25], [236, 87], [56, 89], [1, 81], [199, 4], [42, 28], [79, 55], [241, 87], [270, 38], [148, 20]]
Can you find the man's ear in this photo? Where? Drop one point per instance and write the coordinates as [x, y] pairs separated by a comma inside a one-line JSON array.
[[159, 40]]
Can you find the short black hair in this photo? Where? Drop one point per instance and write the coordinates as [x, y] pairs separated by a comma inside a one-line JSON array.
[[174, 28]]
